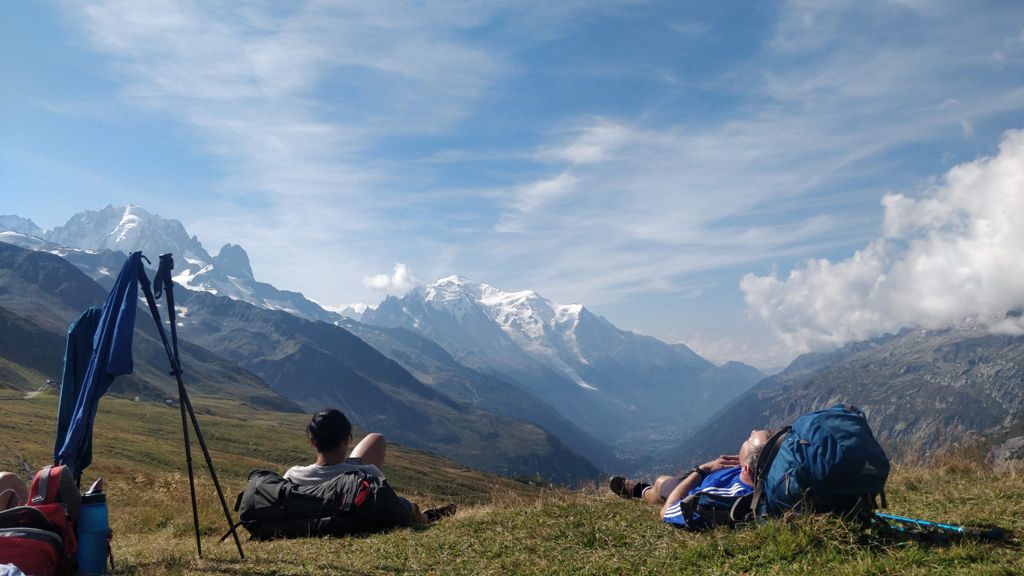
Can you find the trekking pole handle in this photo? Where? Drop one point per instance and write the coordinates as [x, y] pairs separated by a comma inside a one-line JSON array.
[[994, 533]]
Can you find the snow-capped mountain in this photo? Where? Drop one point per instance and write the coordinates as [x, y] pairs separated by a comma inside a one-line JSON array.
[[128, 229], [615, 384], [10, 222], [88, 238], [543, 329]]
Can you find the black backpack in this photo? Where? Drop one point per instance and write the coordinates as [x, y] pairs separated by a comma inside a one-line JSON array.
[[352, 502]]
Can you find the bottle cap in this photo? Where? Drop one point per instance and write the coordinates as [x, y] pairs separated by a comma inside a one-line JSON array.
[[94, 498]]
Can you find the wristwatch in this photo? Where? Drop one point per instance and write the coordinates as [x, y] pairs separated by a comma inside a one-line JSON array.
[[700, 471]]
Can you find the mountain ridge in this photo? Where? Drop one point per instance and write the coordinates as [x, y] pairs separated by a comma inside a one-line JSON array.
[[131, 228], [41, 294], [601, 379], [434, 366], [317, 364], [922, 391], [626, 389]]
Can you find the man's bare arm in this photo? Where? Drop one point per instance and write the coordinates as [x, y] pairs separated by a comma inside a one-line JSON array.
[[694, 479]]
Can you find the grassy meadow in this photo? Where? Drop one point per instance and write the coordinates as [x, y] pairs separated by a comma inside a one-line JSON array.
[[503, 526]]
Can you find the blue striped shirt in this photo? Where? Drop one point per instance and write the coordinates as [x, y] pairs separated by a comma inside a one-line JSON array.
[[724, 484]]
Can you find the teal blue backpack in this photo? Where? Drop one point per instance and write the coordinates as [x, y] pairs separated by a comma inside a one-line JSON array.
[[827, 461]]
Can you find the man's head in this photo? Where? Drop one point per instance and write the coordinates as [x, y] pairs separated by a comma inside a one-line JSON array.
[[329, 430], [750, 451]]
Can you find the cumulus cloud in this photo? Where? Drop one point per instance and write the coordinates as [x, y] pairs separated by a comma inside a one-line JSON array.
[[400, 281], [954, 252]]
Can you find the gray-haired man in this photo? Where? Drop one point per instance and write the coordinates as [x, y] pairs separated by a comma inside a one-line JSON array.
[[730, 476]]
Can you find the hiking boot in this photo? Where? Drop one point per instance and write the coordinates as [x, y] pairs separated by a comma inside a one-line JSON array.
[[435, 514], [626, 487]]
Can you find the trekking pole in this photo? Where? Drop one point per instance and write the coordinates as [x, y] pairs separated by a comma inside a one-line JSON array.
[[164, 272], [163, 278], [213, 474], [994, 533], [151, 301]]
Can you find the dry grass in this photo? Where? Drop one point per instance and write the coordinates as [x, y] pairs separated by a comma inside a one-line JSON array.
[[503, 527]]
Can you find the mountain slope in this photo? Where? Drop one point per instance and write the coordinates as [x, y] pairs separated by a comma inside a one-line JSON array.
[[41, 294], [630, 390], [477, 342], [26, 344], [319, 364], [434, 366], [922, 391]]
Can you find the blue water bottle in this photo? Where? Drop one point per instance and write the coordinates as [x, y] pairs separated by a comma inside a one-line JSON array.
[[93, 534]]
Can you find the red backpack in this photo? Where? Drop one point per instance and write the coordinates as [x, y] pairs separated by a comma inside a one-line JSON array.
[[39, 538]]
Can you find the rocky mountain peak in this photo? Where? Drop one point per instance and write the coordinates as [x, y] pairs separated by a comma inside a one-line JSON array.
[[128, 229], [234, 261]]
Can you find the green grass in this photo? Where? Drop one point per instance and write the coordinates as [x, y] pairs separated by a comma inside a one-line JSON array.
[[503, 527]]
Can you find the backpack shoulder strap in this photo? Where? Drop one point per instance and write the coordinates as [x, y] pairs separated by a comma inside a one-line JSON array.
[[45, 485], [741, 509], [688, 506], [56, 485], [764, 463]]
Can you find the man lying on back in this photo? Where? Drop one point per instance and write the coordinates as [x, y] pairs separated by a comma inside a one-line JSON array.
[[727, 478]]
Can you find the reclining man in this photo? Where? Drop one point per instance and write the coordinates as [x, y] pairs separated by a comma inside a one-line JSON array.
[[330, 434], [728, 478]]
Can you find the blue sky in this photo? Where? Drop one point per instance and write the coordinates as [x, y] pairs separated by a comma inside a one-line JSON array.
[[681, 168]]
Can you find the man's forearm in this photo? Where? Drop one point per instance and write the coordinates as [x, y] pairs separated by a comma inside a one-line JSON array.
[[681, 490]]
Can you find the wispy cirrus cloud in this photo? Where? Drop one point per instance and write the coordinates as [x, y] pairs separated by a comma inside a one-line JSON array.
[[591, 141], [293, 101], [793, 172], [468, 138]]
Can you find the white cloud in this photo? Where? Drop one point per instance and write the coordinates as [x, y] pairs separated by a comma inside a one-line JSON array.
[[400, 281], [536, 194], [299, 104], [968, 128], [761, 355], [288, 102], [352, 310], [593, 141], [657, 200], [955, 252]]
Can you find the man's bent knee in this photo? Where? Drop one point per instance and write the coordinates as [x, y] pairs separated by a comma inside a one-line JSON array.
[[375, 437], [652, 495], [371, 449], [13, 491]]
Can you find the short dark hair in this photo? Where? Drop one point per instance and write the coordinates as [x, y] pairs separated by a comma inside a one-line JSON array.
[[329, 429]]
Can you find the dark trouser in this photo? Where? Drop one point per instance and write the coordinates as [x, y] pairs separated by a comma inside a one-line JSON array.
[[669, 485]]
